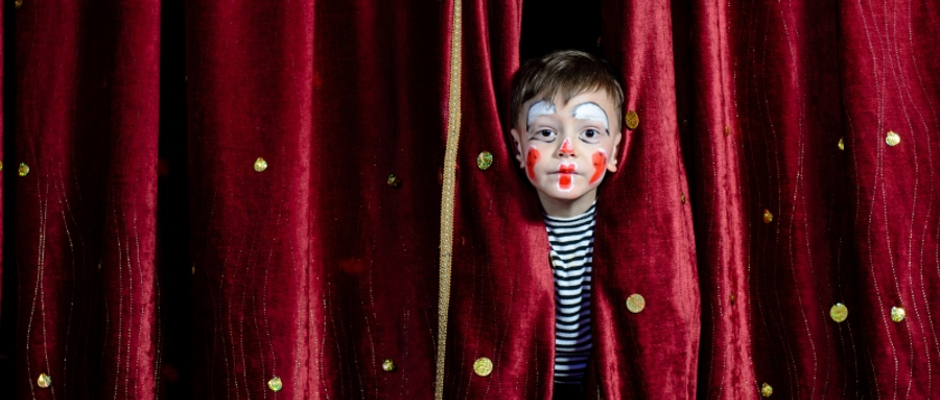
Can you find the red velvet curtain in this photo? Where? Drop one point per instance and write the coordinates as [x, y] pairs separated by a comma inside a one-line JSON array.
[[315, 144], [814, 133], [783, 167], [83, 228]]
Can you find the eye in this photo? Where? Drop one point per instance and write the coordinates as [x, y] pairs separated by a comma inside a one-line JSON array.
[[590, 135], [545, 134]]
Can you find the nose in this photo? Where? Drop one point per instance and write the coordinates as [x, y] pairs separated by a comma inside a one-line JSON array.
[[566, 149]]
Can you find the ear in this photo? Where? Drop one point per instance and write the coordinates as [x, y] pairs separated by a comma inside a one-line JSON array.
[[518, 144], [612, 162]]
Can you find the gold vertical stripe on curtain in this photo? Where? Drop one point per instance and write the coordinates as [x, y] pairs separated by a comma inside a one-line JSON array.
[[447, 197]]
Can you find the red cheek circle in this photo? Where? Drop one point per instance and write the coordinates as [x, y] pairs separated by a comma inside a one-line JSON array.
[[564, 181], [531, 157], [599, 160]]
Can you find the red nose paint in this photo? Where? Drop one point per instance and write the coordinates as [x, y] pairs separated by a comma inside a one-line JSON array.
[[532, 157], [599, 160], [567, 147]]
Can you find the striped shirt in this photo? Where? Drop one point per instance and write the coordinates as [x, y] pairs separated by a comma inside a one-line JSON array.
[[572, 242]]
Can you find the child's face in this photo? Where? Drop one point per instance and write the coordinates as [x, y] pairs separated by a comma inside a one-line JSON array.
[[567, 149]]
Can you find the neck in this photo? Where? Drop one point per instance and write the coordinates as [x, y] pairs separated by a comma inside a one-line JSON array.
[[567, 208]]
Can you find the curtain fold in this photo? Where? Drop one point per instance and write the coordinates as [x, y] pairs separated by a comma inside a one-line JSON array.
[[379, 83], [501, 317], [644, 243], [776, 203], [315, 152], [890, 92], [726, 365], [86, 117], [803, 198], [249, 73]]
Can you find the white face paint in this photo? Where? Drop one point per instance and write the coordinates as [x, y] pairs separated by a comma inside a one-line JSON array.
[[540, 108], [591, 111]]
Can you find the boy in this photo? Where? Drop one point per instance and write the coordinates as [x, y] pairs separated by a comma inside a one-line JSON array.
[[565, 114]]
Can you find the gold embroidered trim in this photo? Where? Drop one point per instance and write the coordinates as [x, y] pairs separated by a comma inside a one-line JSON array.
[[447, 196]]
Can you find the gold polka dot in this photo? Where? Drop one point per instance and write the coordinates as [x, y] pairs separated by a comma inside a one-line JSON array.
[[766, 390], [636, 303], [839, 312], [17, 4], [388, 365], [260, 165], [598, 41], [732, 299], [768, 217], [682, 198], [99, 265], [44, 381], [393, 181], [841, 144], [727, 130], [275, 384], [483, 366], [897, 314], [485, 160], [892, 139], [632, 120], [24, 169], [194, 268], [1, 165]]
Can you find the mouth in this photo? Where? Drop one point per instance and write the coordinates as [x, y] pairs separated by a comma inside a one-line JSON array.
[[566, 174], [567, 169]]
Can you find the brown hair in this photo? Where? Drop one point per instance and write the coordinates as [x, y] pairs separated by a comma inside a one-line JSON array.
[[567, 72]]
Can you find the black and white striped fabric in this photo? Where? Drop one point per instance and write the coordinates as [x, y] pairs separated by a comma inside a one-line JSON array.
[[572, 241]]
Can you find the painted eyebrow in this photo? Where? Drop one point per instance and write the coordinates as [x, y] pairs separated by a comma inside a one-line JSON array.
[[541, 107], [591, 115]]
